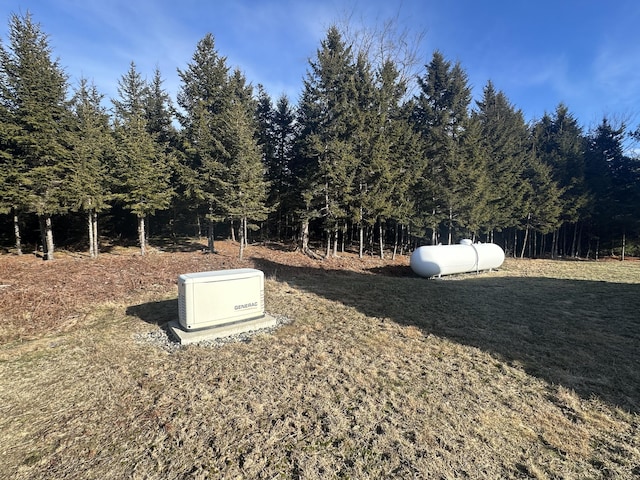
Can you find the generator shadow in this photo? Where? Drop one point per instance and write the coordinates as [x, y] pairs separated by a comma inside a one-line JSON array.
[[583, 335], [156, 313]]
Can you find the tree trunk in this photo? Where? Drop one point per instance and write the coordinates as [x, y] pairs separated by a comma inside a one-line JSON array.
[[328, 249], [574, 241], [450, 234], [43, 236], [16, 231], [232, 230], [335, 242], [92, 221], [46, 232], [210, 235], [395, 242], [526, 237], [245, 235], [304, 239], [524, 242], [241, 232], [381, 239], [92, 253], [361, 241], [304, 236], [142, 239], [624, 244], [49, 229], [96, 240]]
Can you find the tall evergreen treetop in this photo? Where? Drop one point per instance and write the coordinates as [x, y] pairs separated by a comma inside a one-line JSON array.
[[159, 111], [204, 82]]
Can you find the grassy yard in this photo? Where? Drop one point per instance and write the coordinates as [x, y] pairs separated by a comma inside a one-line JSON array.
[[532, 371]]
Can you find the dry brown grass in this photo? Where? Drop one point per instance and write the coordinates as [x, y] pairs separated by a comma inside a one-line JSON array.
[[529, 372]]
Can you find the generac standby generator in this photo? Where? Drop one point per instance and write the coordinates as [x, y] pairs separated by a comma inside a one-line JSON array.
[[208, 299]]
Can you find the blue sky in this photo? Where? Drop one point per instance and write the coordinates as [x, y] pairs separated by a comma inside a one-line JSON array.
[[585, 53]]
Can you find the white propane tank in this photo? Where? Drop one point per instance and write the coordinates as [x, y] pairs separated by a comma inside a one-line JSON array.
[[436, 260]]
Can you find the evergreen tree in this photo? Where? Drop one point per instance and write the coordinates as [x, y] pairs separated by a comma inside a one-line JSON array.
[[470, 187], [160, 115], [441, 115], [306, 202], [248, 192], [264, 116], [559, 143], [613, 179], [327, 122], [276, 135], [407, 156], [205, 101], [92, 148], [505, 139], [371, 163], [542, 202], [381, 168], [34, 90], [13, 172], [142, 169], [279, 171]]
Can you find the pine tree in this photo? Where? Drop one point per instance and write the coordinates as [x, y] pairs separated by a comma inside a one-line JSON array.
[[613, 179], [142, 169], [34, 90], [505, 139], [371, 167], [245, 196], [205, 100], [304, 167], [380, 163], [276, 135], [542, 202], [441, 114], [14, 190], [326, 116], [407, 156], [560, 143], [471, 186], [248, 192], [92, 148]]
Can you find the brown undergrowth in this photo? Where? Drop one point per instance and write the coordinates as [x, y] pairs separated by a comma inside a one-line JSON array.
[[528, 372]]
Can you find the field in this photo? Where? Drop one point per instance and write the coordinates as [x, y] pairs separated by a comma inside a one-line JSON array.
[[531, 371]]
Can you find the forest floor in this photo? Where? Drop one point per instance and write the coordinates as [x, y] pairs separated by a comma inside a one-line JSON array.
[[530, 371]]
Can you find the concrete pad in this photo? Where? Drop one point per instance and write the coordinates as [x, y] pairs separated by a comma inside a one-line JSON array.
[[219, 331]]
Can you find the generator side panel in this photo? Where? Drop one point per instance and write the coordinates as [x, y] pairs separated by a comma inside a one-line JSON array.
[[183, 310], [222, 300]]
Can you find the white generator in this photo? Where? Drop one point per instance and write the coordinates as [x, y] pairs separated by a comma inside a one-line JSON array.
[[208, 299]]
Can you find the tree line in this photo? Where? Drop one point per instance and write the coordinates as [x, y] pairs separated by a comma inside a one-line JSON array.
[[358, 162]]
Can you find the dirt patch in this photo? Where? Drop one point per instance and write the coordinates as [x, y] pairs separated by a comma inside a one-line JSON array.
[[39, 298]]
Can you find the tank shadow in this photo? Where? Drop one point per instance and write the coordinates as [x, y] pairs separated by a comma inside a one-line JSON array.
[[583, 335]]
